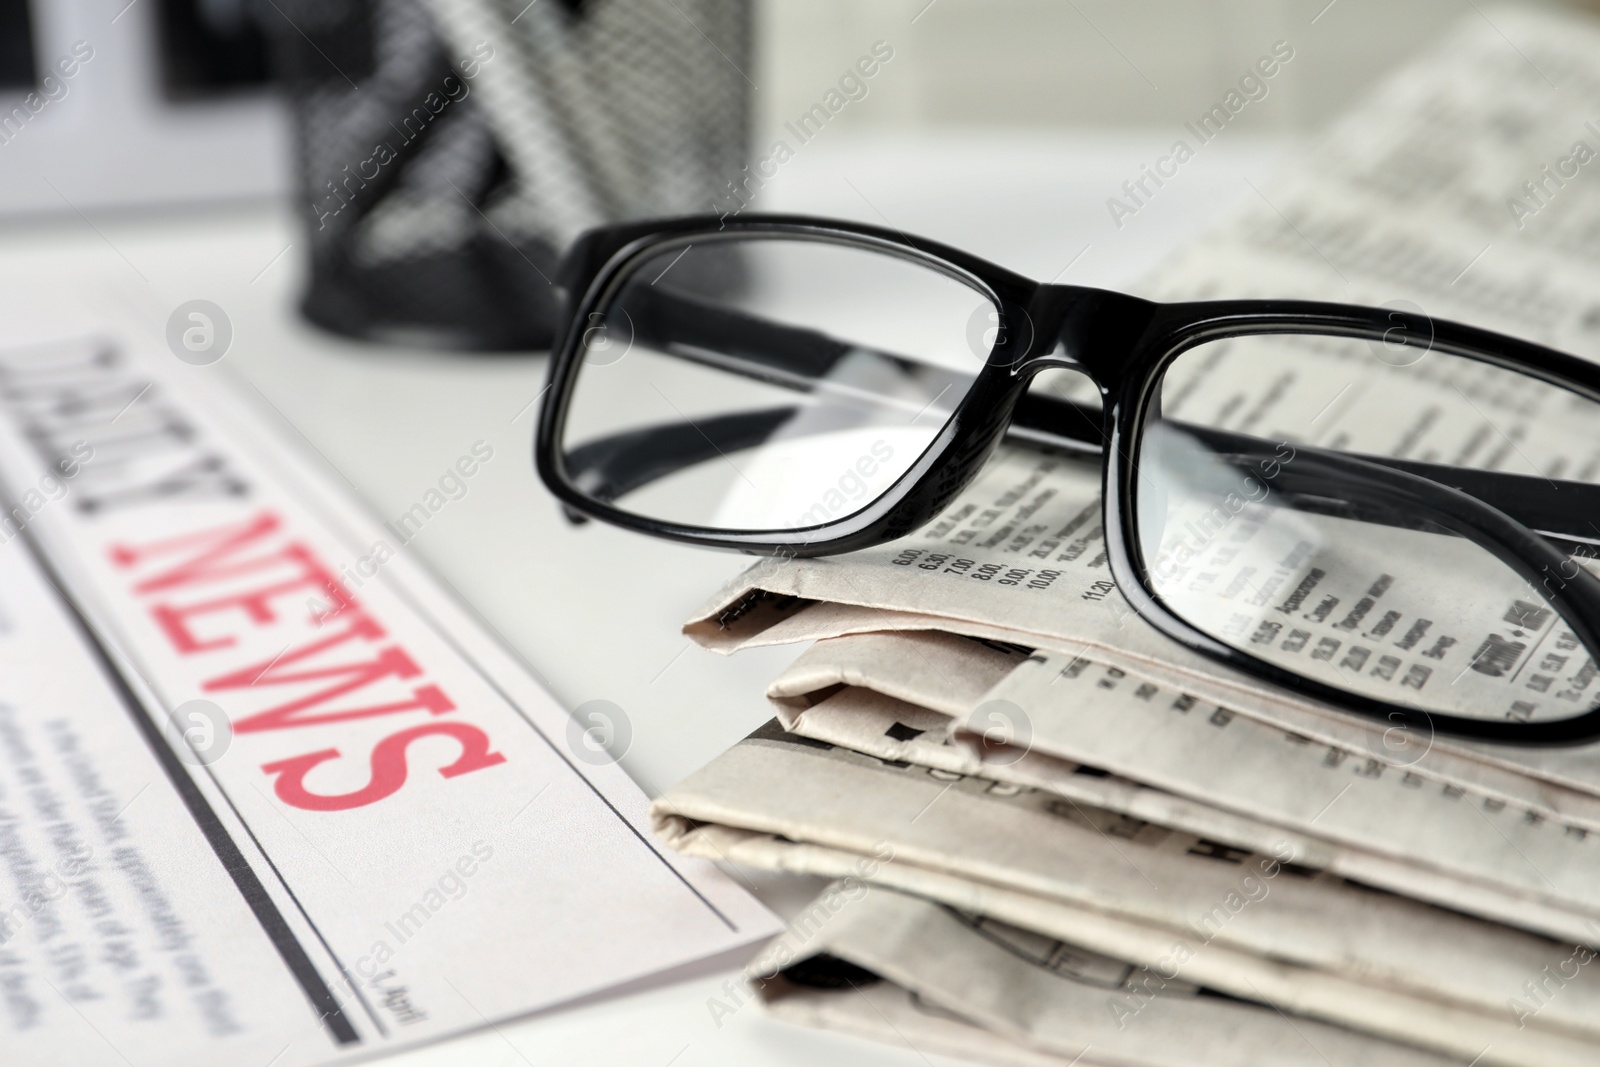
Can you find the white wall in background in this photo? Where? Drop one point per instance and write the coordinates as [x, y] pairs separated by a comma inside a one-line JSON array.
[[1077, 63], [110, 140]]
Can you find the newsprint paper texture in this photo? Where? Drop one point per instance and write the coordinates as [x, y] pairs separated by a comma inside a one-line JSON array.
[[1255, 926], [887, 695], [1420, 197], [1085, 731], [380, 840], [941, 979], [1455, 191]]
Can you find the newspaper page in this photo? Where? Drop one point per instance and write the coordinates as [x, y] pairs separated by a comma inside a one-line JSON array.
[[1013, 734], [943, 672], [1375, 801], [1257, 927], [1022, 990], [890, 1014], [266, 793], [921, 582], [1443, 193]]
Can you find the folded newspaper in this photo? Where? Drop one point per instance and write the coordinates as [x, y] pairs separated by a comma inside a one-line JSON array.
[[1029, 788], [267, 793], [888, 965]]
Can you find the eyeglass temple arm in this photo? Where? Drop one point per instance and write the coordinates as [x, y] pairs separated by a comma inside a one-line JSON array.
[[1379, 492], [791, 357], [1555, 510], [610, 467], [795, 358], [746, 344]]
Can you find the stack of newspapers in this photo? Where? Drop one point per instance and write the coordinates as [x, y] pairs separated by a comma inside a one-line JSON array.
[[1057, 837]]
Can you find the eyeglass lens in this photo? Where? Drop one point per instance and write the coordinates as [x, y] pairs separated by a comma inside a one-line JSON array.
[[768, 384], [1268, 519]]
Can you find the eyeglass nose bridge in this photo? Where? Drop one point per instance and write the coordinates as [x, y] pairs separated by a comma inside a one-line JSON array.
[[1070, 327], [1015, 337]]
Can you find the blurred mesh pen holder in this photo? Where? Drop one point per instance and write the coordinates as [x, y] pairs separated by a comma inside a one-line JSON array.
[[450, 149]]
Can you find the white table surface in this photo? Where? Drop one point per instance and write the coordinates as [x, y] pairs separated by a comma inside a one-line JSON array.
[[593, 610]]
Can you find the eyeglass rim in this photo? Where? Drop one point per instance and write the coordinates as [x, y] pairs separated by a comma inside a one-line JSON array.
[[1125, 554], [594, 269], [1153, 335]]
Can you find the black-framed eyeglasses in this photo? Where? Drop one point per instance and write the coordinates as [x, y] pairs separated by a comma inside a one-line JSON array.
[[1369, 507]]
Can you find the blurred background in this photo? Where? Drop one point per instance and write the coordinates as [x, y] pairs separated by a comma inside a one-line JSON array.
[[158, 152], [437, 155], [176, 104], [1090, 64]]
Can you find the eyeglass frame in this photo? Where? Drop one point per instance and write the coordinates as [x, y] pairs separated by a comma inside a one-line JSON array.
[[1123, 344]]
